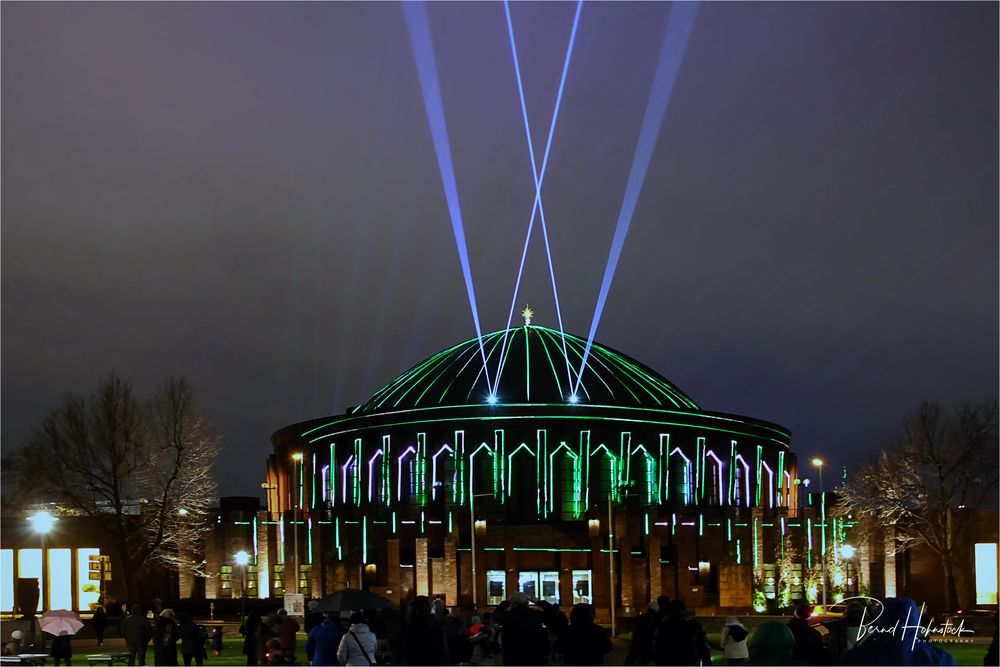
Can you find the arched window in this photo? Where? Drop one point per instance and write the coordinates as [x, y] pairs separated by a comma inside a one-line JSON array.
[[350, 487], [523, 486], [642, 471], [679, 478], [602, 475], [715, 488], [565, 483], [443, 473], [741, 482], [767, 484], [482, 470], [376, 478], [407, 491]]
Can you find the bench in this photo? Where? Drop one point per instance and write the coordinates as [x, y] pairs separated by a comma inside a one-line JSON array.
[[107, 659]]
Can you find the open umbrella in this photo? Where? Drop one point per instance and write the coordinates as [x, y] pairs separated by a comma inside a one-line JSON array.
[[351, 599], [60, 622]]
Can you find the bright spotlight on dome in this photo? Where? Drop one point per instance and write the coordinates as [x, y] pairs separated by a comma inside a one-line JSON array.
[[491, 399], [573, 398]]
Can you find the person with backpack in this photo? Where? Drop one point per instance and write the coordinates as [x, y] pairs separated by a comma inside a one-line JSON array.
[[357, 647], [734, 641]]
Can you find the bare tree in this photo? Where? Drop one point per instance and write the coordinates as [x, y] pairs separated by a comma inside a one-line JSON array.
[[923, 484], [140, 469]]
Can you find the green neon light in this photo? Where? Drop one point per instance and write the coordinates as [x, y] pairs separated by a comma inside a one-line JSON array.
[[756, 556], [760, 450], [281, 542], [312, 485], [547, 549], [393, 522], [809, 542], [364, 540], [701, 524], [336, 538], [729, 530], [574, 415], [309, 539], [255, 540], [647, 523], [739, 552], [333, 473]]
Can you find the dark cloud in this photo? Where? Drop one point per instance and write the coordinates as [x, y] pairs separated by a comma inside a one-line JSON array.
[[247, 194]]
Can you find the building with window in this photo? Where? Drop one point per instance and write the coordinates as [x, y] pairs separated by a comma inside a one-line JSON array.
[[470, 484]]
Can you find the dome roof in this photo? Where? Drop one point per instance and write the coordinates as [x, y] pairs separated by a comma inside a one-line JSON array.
[[533, 370]]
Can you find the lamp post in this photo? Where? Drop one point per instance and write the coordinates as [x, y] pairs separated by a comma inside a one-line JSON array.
[[42, 522], [472, 544], [242, 559], [822, 504], [296, 491], [622, 489]]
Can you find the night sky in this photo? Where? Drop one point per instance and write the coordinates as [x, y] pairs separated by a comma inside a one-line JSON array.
[[247, 194]]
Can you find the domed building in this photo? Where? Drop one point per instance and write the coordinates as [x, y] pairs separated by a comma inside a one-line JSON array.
[[489, 468]]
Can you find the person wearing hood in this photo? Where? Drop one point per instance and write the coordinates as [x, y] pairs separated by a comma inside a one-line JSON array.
[[772, 643], [641, 649], [892, 637], [357, 647], [734, 641], [323, 641], [165, 638]]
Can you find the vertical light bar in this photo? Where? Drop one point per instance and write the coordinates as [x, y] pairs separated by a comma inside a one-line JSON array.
[[418, 26], [364, 539], [309, 537], [682, 16]]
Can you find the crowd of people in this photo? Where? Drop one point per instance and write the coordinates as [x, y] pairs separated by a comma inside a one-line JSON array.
[[428, 633]]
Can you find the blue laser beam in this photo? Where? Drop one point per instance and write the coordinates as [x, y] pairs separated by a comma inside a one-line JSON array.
[[418, 26], [539, 177], [682, 16]]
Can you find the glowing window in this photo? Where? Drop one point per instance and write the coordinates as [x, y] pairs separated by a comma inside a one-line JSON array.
[[527, 583], [581, 586], [87, 591], [550, 586], [496, 587], [986, 573], [60, 579], [29, 565], [6, 580]]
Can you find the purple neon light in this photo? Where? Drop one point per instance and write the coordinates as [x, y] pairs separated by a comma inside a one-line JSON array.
[[418, 25], [682, 16], [539, 177]]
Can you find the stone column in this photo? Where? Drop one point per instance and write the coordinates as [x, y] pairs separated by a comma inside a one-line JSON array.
[[264, 583], [890, 563], [450, 572], [422, 567], [565, 577], [394, 579], [655, 570]]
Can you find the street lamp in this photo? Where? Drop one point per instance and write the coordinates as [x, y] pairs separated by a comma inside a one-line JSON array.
[[296, 494], [818, 462], [622, 489], [242, 559], [42, 522]]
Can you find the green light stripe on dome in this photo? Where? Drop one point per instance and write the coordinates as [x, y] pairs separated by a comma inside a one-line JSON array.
[[580, 344], [457, 375], [552, 365], [454, 358], [636, 376], [489, 356], [665, 387]]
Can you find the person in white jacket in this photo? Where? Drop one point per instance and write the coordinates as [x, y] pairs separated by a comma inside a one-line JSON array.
[[357, 647], [734, 641]]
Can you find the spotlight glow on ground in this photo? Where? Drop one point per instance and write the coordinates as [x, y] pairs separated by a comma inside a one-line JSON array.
[[418, 26], [682, 16]]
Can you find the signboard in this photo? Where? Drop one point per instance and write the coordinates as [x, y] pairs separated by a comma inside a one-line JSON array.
[[295, 604]]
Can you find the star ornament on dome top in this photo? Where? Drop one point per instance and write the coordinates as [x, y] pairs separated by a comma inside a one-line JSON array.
[[527, 314]]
